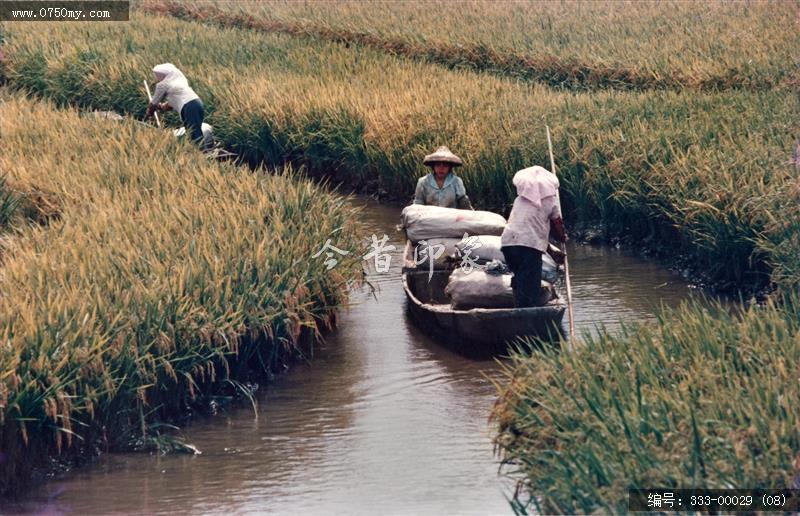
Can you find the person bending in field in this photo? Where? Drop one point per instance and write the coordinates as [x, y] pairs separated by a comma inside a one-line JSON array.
[[173, 85], [441, 187], [535, 213]]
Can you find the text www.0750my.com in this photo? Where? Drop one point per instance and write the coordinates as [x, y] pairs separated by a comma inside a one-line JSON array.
[[59, 13], [64, 11]]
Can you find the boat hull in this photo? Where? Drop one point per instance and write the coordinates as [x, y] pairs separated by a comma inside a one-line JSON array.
[[480, 332]]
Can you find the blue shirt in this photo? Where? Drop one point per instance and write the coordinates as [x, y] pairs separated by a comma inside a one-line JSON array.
[[429, 193]]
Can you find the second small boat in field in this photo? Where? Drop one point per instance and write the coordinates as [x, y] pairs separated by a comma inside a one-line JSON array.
[[477, 332]]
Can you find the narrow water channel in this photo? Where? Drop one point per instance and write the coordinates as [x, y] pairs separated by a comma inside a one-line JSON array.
[[382, 421]]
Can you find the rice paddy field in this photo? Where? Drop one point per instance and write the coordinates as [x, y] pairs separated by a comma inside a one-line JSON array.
[[161, 276], [702, 399], [673, 123], [574, 45], [697, 170]]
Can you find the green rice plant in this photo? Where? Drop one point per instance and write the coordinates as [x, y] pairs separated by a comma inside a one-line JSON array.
[[9, 204], [581, 46], [165, 275], [701, 399], [780, 240]]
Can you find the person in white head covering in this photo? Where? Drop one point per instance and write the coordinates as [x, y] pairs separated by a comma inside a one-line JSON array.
[[441, 187], [173, 85], [526, 235]]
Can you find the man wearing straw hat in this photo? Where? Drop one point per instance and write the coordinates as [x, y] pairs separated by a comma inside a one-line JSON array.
[[441, 187]]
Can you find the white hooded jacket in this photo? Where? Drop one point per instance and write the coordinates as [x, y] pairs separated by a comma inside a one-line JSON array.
[[535, 206], [174, 86]]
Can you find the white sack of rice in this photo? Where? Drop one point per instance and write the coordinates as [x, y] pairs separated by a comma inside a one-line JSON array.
[[422, 222], [479, 290], [440, 249], [482, 248], [490, 250]]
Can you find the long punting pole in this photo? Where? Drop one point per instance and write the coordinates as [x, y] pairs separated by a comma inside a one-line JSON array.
[[564, 244]]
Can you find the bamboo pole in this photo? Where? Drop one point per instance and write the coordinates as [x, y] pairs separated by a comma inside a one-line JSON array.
[[150, 99], [564, 244]]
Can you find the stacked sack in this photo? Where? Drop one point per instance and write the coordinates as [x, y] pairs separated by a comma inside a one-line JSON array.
[[490, 250], [479, 289], [446, 227], [423, 222]]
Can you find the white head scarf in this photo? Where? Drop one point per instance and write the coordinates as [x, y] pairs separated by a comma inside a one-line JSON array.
[[535, 183], [169, 71]]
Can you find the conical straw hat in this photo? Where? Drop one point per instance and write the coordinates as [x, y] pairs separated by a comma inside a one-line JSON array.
[[442, 155]]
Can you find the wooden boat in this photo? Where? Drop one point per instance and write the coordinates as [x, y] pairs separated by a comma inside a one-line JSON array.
[[478, 332]]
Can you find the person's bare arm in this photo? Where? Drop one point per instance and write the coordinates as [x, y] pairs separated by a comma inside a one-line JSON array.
[[462, 203], [557, 223], [151, 108], [557, 228]]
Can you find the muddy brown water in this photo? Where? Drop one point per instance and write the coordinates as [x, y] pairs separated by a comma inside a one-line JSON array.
[[383, 420]]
